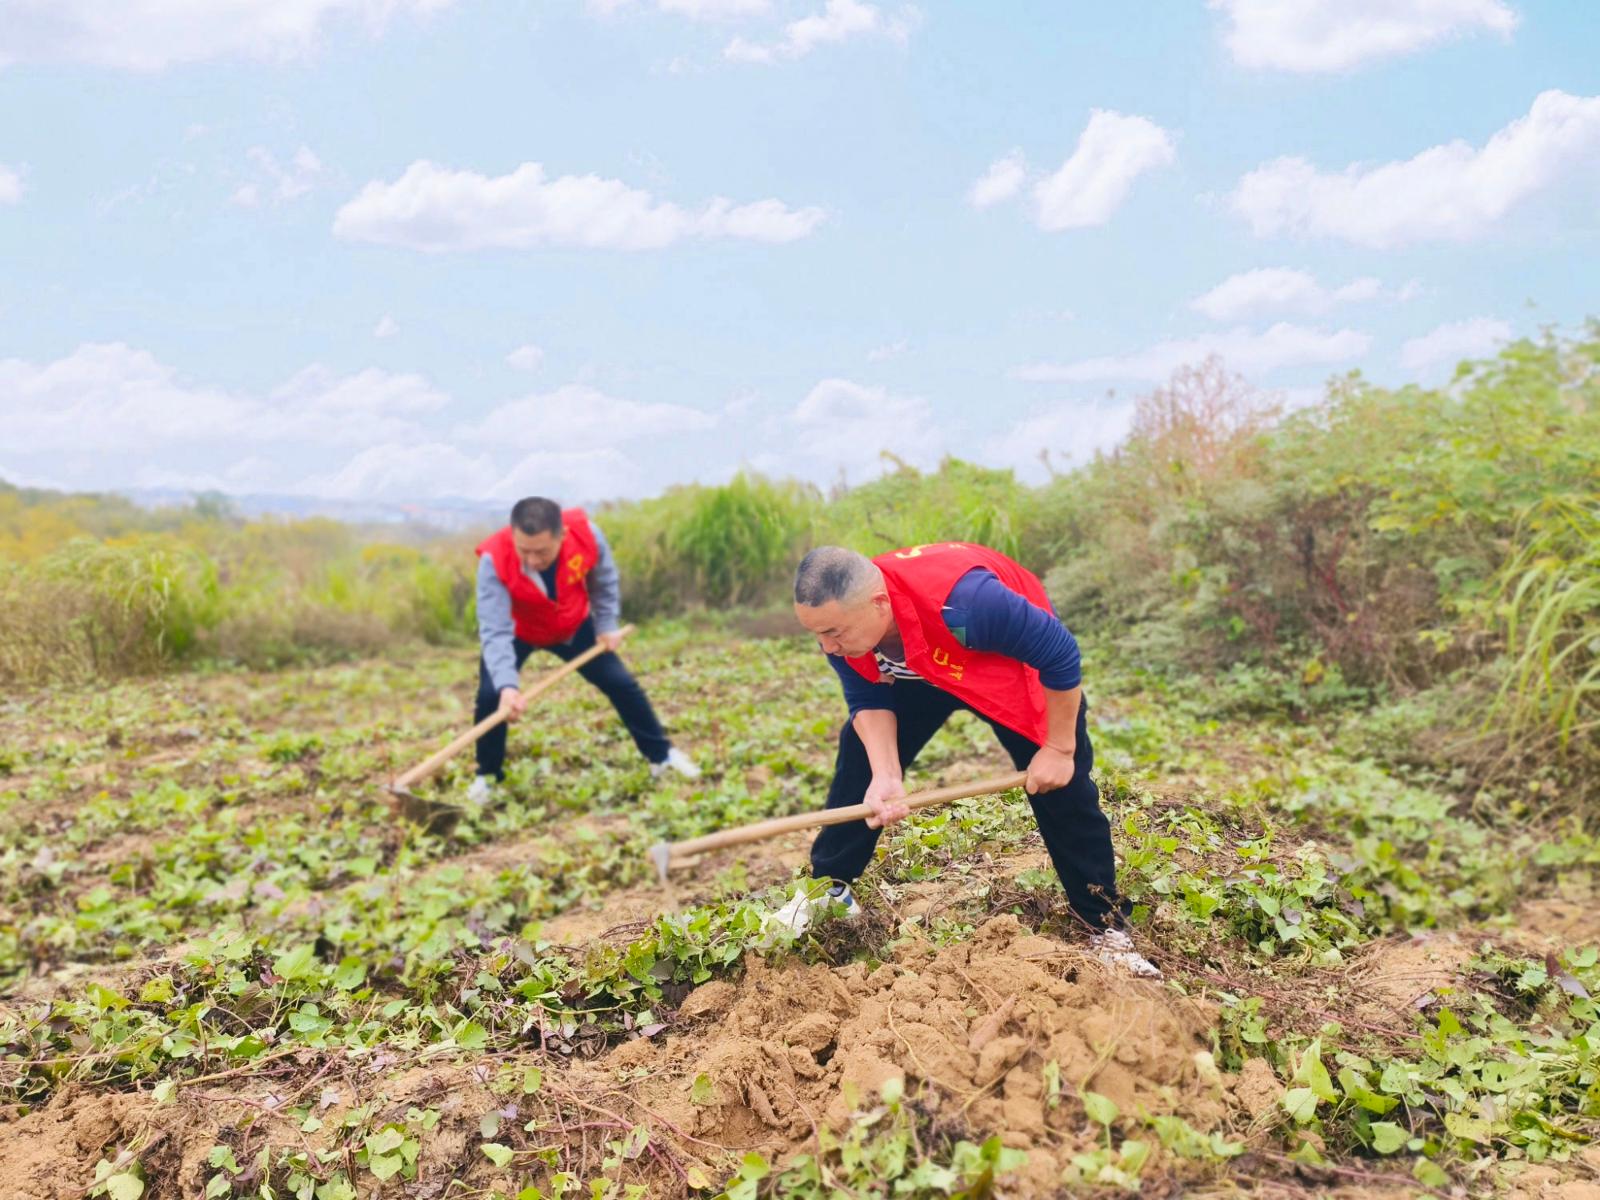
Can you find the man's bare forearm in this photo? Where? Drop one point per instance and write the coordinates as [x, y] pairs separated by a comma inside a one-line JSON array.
[[879, 731], [1062, 710]]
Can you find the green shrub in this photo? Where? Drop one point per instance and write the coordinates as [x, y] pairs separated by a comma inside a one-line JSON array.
[[104, 608], [1549, 599], [906, 507], [263, 595], [699, 546], [1367, 530]]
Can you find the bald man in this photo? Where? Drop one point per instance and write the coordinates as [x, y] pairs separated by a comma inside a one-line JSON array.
[[915, 636]]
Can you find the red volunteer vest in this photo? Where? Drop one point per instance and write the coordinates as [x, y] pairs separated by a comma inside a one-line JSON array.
[[919, 579], [537, 618]]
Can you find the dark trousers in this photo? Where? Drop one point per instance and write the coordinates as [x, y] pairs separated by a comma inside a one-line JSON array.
[[1076, 833], [607, 672]]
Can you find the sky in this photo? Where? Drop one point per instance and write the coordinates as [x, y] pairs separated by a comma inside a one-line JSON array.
[[408, 250]]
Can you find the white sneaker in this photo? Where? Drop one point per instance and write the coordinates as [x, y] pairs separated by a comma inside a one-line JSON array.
[[810, 899], [482, 790], [677, 761], [1116, 949]]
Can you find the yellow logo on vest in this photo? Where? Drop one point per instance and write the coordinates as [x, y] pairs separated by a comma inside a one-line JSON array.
[[953, 667], [916, 551], [575, 568]]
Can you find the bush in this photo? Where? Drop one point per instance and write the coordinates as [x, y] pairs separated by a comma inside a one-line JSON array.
[[92, 608], [265, 595], [1366, 531], [1549, 600], [959, 502], [269, 638], [716, 547]]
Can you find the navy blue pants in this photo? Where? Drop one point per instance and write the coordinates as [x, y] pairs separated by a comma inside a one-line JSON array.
[[607, 672], [1076, 833]]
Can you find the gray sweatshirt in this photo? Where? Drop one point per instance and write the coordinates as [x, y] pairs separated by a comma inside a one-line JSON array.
[[497, 631]]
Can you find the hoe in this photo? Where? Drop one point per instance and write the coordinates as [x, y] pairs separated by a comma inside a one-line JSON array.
[[667, 855], [437, 816]]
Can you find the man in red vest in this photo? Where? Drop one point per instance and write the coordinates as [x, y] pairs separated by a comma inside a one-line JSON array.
[[917, 635], [547, 581]]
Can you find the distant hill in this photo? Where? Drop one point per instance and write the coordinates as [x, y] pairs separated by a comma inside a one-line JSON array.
[[443, 514], [115, 509]]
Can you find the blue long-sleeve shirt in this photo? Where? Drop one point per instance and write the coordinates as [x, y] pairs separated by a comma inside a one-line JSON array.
[[497, 631], [984, 614]]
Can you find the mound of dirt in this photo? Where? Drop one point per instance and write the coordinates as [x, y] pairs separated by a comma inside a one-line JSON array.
[[969, 1029], [50, 1154]]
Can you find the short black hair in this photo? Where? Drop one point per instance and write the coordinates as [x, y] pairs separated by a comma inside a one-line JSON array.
[[534, 515], [830, 573]]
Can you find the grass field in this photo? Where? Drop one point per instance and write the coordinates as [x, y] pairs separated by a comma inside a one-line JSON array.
[[228, 969]]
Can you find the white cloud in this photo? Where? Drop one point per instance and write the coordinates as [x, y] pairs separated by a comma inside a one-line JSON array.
[[885, 352], [405, 471], [387, 327], [433, 208], [1449, 192], [578, 417], [1336, 35], [714, 10], [1283, 345], [434, 469], [110, 397], [280, 182], [109, 416], [1279, 289], [147, 35], [695, 10], [848, 425], [840, 20], [251, 474], [1071, 432], [373, 395], [1003, 180], [1453, 341], [604, 473], [526, 358], [10, 184], [1112, 152]]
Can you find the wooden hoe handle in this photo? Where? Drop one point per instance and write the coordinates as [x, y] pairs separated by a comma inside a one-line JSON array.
[[838, 816], [434, 761]]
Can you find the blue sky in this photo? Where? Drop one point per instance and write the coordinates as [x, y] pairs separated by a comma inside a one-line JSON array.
[[396, 250]]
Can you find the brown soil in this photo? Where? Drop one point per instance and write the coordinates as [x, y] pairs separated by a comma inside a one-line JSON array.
[[968, 1029], [50, 1154], [1576, 1180], [1401, 976], [1554, 925]]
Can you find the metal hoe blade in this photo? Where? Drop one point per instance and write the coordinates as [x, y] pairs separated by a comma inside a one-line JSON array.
[[661, 855], [435, 816]]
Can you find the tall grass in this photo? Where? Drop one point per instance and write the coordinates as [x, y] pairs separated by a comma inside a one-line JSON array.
[[92, 608], [713, 547], [906, 507], [737, 544], [1549, 599], [262, 595]]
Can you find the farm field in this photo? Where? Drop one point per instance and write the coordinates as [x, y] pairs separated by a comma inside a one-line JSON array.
[[228, 968]]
